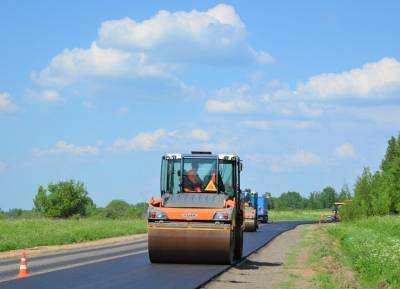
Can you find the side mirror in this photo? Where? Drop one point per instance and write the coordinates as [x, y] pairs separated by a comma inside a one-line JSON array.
[[241, 166]]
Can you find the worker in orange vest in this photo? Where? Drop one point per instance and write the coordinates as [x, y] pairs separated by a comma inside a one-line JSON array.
[[191, 180]]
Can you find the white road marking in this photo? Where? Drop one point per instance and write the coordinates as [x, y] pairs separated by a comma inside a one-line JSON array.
[[77, 265]]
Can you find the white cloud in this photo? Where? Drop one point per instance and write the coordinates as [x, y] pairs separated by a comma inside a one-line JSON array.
[[232, 99], [300, 158], [303, 158], [199, 134], [143, 141], [266, 124], [62, 147], [3, 167], [309, 109], [288, 163], [217, 34], [373, 79], [229, 106], [246, 98], [6, 104], [45, 96], [74, 64], [155, 47], [345, 151]]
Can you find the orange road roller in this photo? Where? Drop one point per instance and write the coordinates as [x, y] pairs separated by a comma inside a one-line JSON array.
[[199, 216]]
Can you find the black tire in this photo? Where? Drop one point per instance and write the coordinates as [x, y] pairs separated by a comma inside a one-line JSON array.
[[232, 249], [238, 243]]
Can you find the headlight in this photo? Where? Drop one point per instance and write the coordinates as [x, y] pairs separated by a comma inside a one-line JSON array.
[[223, 215], [156, 214]]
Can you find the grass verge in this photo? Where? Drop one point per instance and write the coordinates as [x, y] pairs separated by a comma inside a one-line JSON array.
[[373, 246], [17, 234], [297, 215]]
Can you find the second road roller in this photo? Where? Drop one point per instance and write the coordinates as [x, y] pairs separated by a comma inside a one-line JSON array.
[[199, 216], [250, 211]]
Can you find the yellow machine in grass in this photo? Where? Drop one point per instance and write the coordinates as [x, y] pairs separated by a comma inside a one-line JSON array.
[[335, 217]]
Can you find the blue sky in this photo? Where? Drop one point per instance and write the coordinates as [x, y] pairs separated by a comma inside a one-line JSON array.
[[306, 93]]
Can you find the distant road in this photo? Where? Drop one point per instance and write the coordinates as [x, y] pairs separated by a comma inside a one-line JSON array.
[[122, 266]]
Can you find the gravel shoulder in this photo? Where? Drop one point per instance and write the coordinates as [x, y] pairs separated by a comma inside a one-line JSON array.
[[305, 257], [262, 269]]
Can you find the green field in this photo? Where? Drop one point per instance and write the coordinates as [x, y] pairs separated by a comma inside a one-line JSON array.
[[297, 215], [17, 234], [373, 246], [27, 233]]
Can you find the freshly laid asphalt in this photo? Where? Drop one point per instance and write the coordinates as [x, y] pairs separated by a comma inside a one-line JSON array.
[[126, 266]]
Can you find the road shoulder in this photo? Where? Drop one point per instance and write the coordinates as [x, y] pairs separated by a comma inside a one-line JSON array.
[[305, 257]]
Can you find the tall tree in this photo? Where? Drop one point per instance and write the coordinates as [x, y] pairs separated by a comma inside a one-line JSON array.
[[380, 197], [314, 200], [390, 167], [328, 197], [345, 193], [363, 195], [40, 200]]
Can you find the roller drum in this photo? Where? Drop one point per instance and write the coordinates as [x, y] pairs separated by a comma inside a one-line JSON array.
[[250, 225], [182, 242]]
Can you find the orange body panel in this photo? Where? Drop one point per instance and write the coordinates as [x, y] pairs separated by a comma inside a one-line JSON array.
[[190, 214]]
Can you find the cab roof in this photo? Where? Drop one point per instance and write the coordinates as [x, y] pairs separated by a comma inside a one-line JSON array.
[[199, 154]]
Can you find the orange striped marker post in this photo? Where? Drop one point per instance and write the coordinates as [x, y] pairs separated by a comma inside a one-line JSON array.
[[23, 268]]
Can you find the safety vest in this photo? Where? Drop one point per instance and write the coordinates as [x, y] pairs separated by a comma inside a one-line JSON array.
[[196, 182]]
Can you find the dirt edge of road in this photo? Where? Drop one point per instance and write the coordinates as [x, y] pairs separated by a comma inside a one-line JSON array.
[[44, 250], [305, 257]]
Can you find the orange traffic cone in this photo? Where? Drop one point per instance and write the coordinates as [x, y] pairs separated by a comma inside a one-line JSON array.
[[23, 268]]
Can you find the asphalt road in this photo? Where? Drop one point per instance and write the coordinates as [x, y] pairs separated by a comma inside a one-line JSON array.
[[123, 266]]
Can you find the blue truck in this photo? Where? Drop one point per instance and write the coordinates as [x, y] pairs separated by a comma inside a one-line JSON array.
[[262, 208]]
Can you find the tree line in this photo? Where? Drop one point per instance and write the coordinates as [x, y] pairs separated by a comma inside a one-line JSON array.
[[378, 193], [316, 200], [70, 199]]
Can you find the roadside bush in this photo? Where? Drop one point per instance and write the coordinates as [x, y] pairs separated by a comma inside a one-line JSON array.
[[63, 199], [119, 209], [350, 212]]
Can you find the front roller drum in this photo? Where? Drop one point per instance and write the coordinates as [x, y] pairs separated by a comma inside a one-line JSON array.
[[250, 225], [180, 243]]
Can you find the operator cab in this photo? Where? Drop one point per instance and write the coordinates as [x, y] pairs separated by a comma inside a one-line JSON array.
[[209, 178]]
